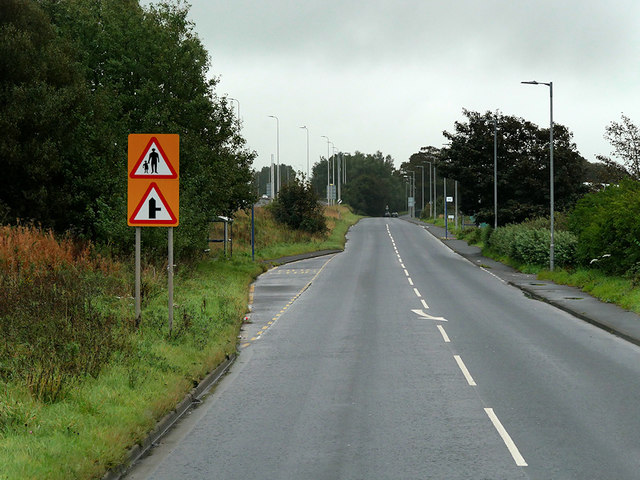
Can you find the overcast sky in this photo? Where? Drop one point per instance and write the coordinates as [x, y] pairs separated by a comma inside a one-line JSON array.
[[391, 75]]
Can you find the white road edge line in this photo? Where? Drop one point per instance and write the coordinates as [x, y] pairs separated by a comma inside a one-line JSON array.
[[465, 372], [513, 450], [445, 337]]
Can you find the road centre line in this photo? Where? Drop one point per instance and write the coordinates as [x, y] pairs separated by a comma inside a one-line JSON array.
[[424, 304], [465, 371], [410, 281], [506, 438], [405, 272], [445, 337], [417, 292]]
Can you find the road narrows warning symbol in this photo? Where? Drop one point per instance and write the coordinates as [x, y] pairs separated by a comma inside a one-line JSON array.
[[153, 208], [153, 163]]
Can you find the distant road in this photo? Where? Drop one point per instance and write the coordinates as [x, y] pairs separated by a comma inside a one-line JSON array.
[[401, 360]]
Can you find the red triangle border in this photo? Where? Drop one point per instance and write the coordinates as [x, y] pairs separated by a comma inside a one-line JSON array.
[[173, 221], [144, 154]]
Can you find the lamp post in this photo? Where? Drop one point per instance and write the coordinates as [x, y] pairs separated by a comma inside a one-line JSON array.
[[277, 153], [238, 102], [413, 194], [422, 185], [328, 142], [308, 177], [551, 180], [495, 173]]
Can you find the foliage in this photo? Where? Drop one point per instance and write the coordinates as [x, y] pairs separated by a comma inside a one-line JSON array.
[[372, 183], [90, 426], [604, 172], [523, 167], [607, 227], [79, 77], [52, 329], [263, 177], [427, 157], [625, 140], [297, 207], [530, 245], [612, 289], [43, 106]]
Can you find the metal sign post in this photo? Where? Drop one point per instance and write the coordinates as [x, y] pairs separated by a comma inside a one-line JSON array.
[[137, 287], [170, 277], [153, 197]]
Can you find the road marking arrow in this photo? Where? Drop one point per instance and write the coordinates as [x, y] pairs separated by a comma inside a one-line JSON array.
[[430, 317]]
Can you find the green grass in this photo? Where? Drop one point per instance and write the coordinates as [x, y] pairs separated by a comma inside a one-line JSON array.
[[273, 241], [617, 290], [96, 420], [88, 430]]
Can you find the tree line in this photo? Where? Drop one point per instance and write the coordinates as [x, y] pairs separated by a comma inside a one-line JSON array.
[[523, 162], [76, 78]]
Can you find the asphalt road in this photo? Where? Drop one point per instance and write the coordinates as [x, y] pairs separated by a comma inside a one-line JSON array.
[[399, 359]]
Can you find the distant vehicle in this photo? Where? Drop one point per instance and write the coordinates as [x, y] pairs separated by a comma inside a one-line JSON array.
[[394, 214]]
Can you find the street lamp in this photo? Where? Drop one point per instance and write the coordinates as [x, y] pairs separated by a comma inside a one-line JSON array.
[[277, 153], [495, 173], [328, 142], [422, 185], [238, 102], [551, 180], [308, 177]]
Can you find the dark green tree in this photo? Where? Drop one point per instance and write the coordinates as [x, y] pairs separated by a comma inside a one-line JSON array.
[[523, 167], [298, 207], [263, 177], [372, 184], [77, 78], [44, 108]]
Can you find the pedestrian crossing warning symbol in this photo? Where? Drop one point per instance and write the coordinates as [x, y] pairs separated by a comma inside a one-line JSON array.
[[153, 209], [153, 163]]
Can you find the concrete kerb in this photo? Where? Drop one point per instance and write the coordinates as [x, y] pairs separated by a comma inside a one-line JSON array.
[[192, 399]]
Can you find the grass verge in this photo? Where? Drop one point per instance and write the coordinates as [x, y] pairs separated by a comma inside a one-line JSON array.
[[94, 420], [617, 290]]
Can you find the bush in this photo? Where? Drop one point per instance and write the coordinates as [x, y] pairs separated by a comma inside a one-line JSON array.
[[52, 330], [530, 246], [607, 227], [297, 206]]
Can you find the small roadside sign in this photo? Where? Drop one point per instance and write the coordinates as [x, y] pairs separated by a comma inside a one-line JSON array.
[[153, 180]]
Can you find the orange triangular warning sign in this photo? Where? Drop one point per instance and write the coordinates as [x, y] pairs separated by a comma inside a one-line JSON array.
[[153, 209], [153, 163]]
